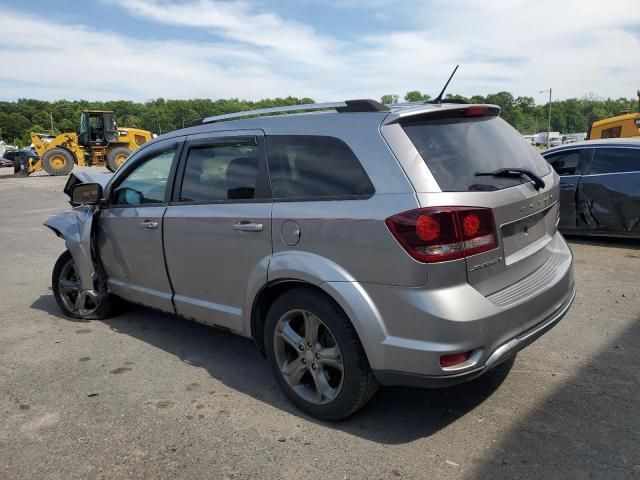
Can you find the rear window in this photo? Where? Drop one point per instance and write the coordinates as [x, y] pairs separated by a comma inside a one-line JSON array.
[[455, 149], [315, 167]]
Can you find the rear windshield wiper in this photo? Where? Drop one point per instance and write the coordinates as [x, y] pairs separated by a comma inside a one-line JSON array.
[[538, 183]]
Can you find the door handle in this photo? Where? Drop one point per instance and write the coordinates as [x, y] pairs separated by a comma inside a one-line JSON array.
[[247, 227], [149, 225], [565, 186]]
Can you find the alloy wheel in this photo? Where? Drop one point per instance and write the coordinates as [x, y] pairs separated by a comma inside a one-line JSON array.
[[308, 357]]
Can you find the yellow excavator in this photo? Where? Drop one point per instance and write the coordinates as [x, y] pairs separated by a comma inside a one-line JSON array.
[[99, 143]]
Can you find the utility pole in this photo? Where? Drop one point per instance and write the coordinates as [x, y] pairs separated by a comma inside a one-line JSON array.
[[549, 124], [51, 117]]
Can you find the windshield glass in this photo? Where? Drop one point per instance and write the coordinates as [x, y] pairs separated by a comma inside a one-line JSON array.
[[455, 149]]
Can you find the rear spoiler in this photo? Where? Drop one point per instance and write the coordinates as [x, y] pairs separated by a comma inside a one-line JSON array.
[[442, 111]]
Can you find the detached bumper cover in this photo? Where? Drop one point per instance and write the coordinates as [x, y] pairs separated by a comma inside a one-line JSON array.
[[500, 354]]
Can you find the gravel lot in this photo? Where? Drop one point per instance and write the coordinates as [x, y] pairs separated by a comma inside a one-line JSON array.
[[148, 395]]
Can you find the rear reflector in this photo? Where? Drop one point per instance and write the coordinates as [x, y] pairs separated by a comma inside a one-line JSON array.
[[453, 360], [437, 234]]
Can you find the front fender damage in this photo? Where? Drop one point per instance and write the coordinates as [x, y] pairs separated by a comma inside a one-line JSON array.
[[74, 226]]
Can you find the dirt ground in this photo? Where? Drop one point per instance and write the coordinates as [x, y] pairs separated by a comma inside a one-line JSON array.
[[149, 395]]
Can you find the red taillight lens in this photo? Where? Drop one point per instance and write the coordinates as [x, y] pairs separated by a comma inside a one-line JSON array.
[[476, 112], [454, 359], [437, 234]]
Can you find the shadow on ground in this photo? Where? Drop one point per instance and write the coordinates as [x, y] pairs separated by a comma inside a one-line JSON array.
[[394, 415], [624, 243], [588, 428]]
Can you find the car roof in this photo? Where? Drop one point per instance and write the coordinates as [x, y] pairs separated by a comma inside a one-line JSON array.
[[633, 142], [280, 119]]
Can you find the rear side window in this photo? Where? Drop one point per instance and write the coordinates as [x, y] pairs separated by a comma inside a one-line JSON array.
[[220, 172], [305, 167], [565, 163], [615, 160], [455, 149]]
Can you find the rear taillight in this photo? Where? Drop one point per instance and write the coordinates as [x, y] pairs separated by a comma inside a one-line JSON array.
[[437, 234]]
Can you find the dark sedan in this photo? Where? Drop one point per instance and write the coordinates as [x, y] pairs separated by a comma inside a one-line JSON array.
[[599, 187]]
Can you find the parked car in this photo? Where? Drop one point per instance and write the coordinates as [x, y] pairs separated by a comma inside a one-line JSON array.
[[16, 158], [599, 187], [363, 245], [6, 162]]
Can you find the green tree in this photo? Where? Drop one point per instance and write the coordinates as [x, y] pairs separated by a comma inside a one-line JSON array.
[[389, 99], [416, 96]]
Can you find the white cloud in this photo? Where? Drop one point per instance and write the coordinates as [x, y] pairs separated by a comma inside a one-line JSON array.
[[520, 46]]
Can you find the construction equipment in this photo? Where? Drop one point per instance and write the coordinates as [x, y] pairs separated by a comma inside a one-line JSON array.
[[625, 125], [99, 143]]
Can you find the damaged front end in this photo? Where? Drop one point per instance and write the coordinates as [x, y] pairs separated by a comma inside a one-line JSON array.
[[75, 226]]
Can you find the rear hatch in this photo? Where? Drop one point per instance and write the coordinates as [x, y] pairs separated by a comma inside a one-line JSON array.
[[456, 145]]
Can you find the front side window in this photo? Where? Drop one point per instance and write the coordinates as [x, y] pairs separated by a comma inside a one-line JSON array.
[[220, 172], [615, 160], [304, 166], [565, 163], [147, 183]]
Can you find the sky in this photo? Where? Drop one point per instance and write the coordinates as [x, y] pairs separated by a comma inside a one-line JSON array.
[[328, 50]]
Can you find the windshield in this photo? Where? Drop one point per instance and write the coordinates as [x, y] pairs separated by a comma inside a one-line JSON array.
[[455, 149]]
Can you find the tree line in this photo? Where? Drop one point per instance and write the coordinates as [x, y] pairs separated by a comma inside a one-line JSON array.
[[19, 118]]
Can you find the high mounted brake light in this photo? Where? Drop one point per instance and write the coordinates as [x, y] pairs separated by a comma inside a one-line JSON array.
[[437, 234], [476, 111]]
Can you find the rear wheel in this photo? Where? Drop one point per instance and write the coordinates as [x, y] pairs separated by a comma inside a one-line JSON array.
[[58, 161], [316, 356], [117, 157], [72, 300]]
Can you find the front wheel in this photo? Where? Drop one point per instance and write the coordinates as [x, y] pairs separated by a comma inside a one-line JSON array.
[[58, 161], [72, 300], [316, 356]]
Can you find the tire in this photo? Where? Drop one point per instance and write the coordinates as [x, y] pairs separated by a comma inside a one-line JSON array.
[[58, 161], [16, 165], [115, 157], [345, 374], [106, 304]]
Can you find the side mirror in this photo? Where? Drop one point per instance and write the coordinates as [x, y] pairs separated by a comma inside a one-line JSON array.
[[86, 194], [128, 196]]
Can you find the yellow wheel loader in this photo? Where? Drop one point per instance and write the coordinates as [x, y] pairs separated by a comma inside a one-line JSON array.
[[99, 143]]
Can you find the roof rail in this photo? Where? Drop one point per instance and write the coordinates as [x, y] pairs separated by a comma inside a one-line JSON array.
[[348, 106]]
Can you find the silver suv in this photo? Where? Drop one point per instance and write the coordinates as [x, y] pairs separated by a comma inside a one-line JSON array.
[[358, 244]]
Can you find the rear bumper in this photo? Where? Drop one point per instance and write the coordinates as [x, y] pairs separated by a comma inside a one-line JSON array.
[[500, 354], [414, 327]]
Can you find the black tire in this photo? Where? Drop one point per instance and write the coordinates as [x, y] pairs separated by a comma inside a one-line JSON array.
[[52, 158], [107, 305], [114, 155], [17, 166], [358, 382]]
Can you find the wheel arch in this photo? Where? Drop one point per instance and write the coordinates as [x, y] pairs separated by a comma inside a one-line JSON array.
[[347, 293]]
